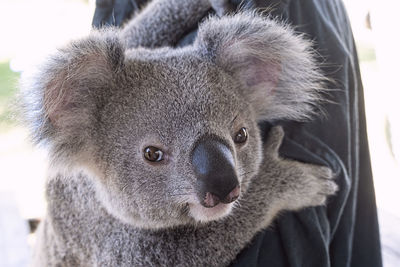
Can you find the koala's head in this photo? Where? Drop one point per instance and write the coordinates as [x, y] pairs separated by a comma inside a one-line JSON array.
[[169, 136]]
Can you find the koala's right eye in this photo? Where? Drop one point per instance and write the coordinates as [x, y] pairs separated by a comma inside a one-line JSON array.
[[241, 136], [153, 154]]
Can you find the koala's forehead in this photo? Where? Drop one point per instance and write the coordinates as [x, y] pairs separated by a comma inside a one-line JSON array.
[[180, 88]]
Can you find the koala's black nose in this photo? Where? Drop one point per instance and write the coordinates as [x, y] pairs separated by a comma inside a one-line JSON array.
[[214, 166]]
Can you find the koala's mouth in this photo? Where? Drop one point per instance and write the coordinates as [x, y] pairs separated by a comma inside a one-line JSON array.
[[211, 200], [205, 214]]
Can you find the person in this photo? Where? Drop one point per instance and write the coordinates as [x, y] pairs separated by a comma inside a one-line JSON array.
[[345, 232]]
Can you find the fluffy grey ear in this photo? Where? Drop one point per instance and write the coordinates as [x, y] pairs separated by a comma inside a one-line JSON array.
[[62, 96], [275, 67]]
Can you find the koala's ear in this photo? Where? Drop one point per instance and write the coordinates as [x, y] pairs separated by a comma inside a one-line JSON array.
[[276, 68], [62, 96]]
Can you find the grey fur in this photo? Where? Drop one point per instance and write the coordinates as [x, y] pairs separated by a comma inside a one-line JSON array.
[[99, 101]]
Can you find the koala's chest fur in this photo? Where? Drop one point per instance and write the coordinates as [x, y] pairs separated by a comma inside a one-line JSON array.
[[82, 233]]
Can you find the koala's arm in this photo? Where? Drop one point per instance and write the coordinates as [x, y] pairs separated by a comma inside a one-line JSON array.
[[282, 184], [163, 22]]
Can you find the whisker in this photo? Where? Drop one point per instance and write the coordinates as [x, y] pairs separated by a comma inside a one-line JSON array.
[[246, 173], [181, 194], [151, 182]]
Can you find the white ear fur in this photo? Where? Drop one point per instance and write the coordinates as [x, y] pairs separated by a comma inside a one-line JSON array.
[[75, 71], [276, 68], [61, 97]]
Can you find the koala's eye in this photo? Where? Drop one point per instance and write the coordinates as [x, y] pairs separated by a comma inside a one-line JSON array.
[[241, 136], [153, 154]]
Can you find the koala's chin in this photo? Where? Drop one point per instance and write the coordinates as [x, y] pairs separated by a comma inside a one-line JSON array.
[[192, 212], [202, 214]]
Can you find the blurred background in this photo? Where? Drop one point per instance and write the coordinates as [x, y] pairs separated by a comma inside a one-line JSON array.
[[29, 30]]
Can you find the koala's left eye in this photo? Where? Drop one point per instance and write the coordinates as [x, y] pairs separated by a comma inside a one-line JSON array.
[[153, 154], [241, 136]]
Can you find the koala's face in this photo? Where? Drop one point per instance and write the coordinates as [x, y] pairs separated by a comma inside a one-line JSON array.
[[174, 145], [169, 136]]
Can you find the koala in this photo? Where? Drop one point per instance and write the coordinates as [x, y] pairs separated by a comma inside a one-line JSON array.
[[155, 153]]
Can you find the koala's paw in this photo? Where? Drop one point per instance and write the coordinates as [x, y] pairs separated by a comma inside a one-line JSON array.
[[298, 184], [222, 7], [313, 187]]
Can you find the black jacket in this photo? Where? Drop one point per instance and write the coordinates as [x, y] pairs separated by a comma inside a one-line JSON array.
[[345, 233]]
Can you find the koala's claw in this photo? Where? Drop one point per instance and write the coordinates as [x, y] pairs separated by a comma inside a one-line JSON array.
[[325, 176], [330, 188], [327, 189], [321, 172]]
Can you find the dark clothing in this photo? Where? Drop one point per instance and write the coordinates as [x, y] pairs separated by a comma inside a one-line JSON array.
[[345, 233]]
